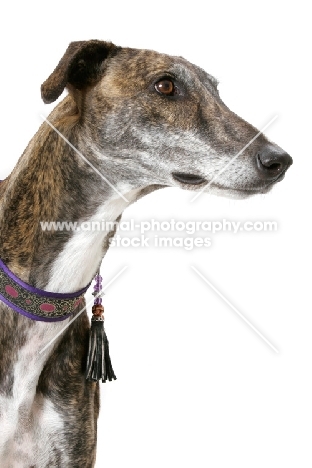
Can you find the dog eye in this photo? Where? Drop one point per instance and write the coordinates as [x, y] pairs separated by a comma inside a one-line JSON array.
[[165, 87]]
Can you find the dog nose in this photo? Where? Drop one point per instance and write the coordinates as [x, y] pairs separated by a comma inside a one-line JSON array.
[[272, 161]]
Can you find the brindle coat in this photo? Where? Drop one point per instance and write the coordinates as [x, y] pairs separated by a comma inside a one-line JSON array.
[[141, 139]]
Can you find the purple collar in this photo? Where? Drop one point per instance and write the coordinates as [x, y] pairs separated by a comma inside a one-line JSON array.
[[34, 303]]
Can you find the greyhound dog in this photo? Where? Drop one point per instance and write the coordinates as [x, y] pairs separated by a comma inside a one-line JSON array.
[[145, 121]]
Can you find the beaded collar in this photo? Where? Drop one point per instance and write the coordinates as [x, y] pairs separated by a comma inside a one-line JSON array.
[[34, 303]]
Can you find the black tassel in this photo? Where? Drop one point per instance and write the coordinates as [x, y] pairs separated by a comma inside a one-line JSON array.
[[99, 364]]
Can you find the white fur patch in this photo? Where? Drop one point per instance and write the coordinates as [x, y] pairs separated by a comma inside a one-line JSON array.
[[29, 423], [76, 265]]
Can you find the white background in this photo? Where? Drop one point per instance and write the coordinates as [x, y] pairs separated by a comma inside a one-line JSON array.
[[196, 386]]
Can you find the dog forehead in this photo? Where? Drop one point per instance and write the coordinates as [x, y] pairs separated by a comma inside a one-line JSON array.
[[141, 61], [131, 69]]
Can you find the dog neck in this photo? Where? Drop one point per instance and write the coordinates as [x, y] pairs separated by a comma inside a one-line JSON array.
[[52, 183]]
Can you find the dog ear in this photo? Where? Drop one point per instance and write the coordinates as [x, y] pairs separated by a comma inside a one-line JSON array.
[[79, 67]]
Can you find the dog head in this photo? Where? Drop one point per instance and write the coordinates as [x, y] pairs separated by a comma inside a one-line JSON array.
[[157, 120]]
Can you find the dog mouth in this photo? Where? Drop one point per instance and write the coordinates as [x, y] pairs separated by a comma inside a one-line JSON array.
[[189, 179]]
